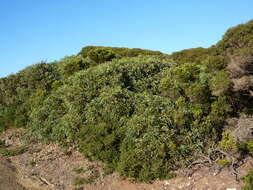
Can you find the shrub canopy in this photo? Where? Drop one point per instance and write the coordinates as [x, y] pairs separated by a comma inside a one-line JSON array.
[[141, 112]]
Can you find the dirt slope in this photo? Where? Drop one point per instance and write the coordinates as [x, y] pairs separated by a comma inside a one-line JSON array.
[[8, 178], [51, 167]]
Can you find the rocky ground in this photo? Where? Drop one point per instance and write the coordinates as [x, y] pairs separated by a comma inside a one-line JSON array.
[[51, 167]]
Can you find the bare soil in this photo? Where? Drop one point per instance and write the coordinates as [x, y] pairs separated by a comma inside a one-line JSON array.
[[51, 167], [8, 178]]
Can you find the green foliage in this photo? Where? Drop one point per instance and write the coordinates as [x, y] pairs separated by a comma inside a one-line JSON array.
[[219, 83], [102, 132], [81, 181], [9, 101], [17, 90], [39, 76], [119, 52], [56, 84], [101, 55], [224, 162], [45, 120], [2, 143], [220, 109], [69, 65], [215, 63], [194, 55], [248, 181], [247, 147], [150, 127], [7, 117], [113, 110], [84, 87], [107, 169], [237, 37], [228, 143]]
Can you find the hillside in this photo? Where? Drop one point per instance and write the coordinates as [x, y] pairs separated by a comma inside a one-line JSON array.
[[143, 113]]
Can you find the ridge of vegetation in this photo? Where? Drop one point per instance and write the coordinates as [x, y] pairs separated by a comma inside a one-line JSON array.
[[143, 113]]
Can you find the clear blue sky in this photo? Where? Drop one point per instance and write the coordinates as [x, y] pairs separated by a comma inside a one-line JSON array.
[[35, 30]]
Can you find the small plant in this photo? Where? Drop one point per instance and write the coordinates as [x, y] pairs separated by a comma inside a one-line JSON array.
[[12, 152], [248, 181], [90, 179], [246, 148], [78, 188], [249, 147], [33, 163], [224, 162], [107, 170], [79, 170], [67, 152], [2, 143], [80, 181], [2, 148], [228, 143], [219, 83], [2, 129]]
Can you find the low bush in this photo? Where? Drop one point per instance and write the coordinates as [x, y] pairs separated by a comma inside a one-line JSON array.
[[248, 181], [224, 162], [228, 143]]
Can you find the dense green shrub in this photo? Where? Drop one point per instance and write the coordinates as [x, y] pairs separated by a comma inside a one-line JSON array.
[[16, 91], [194, 55], [94, 107], [150, 127], [143, 113], [69, 65], [103, 130], [7, 117], [228, 143], [66, 109], [248, 181], [247, 147], [237, 37], [188, 85], [119, 52], [101, 55], [45, 120], [113, 110], [214, 63], [38, 76], [219, 83]]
